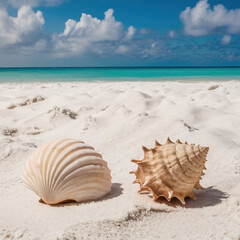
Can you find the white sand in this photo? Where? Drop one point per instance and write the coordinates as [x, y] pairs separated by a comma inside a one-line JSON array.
[[117, 119]]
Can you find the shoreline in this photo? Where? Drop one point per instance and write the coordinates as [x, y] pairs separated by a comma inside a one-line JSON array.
[[128, 82]]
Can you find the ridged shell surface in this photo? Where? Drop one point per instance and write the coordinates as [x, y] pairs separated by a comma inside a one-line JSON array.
[[67, 169], [171, 170]]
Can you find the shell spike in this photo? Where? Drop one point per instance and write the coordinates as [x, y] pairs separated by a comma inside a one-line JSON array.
[[155, 197], [143, 190], [147, 180], [170, 195], [191, 195], [136, 181], [178, 141], [132, 172], [145, 149], [182, 199], [146, 152], [198, 186], [157, 144], [136, 161], [169, 141]]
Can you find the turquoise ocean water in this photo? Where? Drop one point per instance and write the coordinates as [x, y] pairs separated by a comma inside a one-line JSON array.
[[117, 74]]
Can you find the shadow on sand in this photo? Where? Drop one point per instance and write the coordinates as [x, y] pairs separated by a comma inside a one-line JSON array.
[[209, 197], [115, 192]]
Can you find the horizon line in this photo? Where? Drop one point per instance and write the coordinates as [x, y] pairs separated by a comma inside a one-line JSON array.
[[128, 67]]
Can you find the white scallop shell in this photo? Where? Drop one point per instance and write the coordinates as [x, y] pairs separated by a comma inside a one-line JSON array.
[[65, 170]]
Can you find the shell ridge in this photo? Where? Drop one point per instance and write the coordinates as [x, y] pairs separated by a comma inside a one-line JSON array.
[[92, 160], [166, 167], [185, 177], [94, 183], [35, 171], [87, 171], [52, 156], [28, 177], [197, 156], [69, 159], [191, 166], [44, 150], [29, 182], [48, 153], [64, 153], [177, 158], [193, 157], [174, 176], [202, 156], [70, 195]]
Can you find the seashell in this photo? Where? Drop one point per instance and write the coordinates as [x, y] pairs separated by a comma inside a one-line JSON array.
[[171, 170], [65, 170]]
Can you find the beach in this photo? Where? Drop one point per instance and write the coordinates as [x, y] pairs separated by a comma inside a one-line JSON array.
[[117, 118]]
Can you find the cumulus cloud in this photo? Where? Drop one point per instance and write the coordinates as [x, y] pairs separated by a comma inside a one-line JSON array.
[[93, 29], [92, 34], [226, 39], [23, 30], [203, 20], [24, 33], [131, 31], [24, 36]]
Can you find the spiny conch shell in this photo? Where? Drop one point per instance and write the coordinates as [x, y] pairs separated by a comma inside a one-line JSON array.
[[65, 170], [171, 170]]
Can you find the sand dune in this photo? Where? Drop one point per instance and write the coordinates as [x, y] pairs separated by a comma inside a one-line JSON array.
[[117, 119]]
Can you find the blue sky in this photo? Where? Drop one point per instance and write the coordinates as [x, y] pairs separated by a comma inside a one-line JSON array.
[[119, 33]]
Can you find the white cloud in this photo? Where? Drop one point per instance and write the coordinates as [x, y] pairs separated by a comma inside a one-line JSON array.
[[91, 34], [171, 34], [131, 31], [144, 31], [203, 20], [122, 49], [24, 36], [25, 29], [93, 29], [226, 39], [152, 51]]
